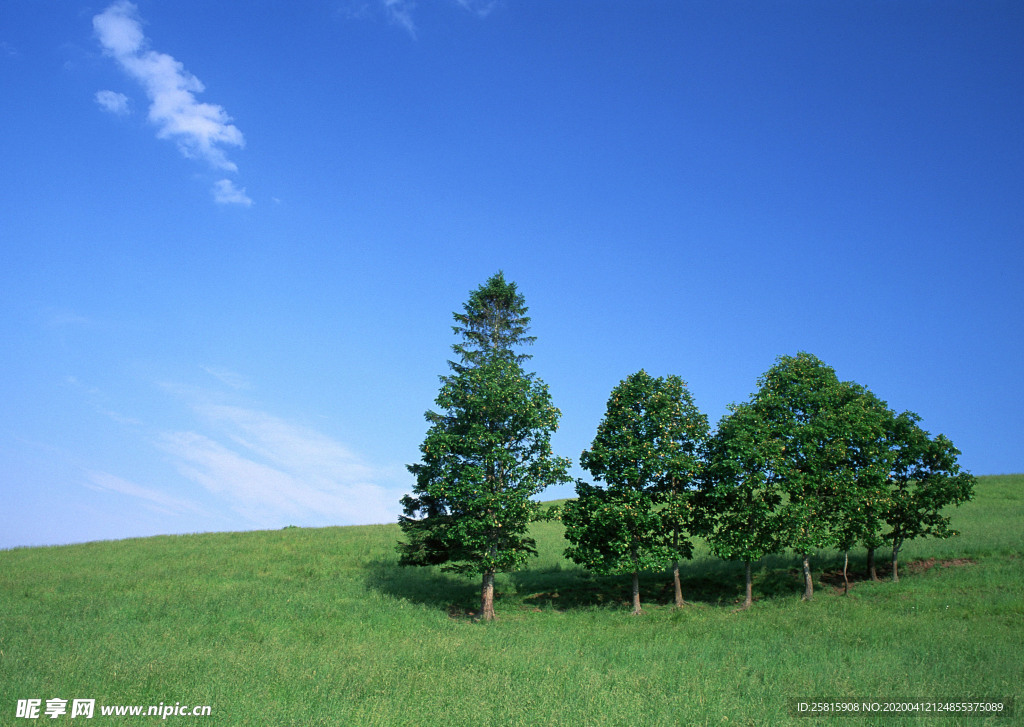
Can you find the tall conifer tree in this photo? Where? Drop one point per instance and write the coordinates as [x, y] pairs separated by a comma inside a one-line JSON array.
[[487, 453]]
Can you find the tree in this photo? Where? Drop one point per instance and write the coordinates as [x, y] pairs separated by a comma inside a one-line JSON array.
[[614, 530], [799, 400], [925, 479], [741, 495], [679, 444], [869, 457], [493, 321], [647, 450], [828, 458], [486, 454]]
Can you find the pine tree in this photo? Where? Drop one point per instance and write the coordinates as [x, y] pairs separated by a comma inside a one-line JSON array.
[[492, 323], [487, 453]]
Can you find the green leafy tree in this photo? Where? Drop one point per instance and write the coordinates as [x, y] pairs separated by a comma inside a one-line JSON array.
[[858, 511], [799, 400], [828, 457], [647, 451], [486, 454], [680, 431], [741, 494], [925, 480], [614, 530]]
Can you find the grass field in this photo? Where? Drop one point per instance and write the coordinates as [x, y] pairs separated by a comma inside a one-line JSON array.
[[320, 627]]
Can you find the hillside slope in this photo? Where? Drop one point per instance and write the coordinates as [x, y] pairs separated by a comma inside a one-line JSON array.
[[320, 627]]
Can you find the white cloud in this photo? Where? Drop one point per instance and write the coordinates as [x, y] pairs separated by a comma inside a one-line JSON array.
[[400, 13], [115, 103], [293, 447], [480, 8], [271, 471], [154, 499], [201, 130], [228, 377], [225, 192], [274, 472]]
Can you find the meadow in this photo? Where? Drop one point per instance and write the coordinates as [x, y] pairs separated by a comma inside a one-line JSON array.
[[321, 627]]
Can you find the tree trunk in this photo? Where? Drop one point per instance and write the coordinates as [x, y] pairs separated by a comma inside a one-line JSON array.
[[846, 564], [871, 564], [636, 593], [679, 588], [749, 600], [487, 597], [895, 561], [675, 568], [808, 582]]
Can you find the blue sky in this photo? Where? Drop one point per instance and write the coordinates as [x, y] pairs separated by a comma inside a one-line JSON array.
[[233, 234]]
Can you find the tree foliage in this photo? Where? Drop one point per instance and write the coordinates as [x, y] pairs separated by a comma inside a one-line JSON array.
[[493, 323], [487, 452], [925, 479], [647, 451], [808, 463], [804, 463], [740, 496], [482, 462]]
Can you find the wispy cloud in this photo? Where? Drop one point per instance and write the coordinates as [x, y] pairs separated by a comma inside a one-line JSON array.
[[480, 8], [99, 401], [225, 192], [153, 499], [227, 376], [402, 12], [201, 130], [297, 449], [267, 469], [247, 462], [112, 101]]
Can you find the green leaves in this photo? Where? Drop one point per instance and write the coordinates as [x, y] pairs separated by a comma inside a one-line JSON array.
[[820, 434], [613, 530], [481, 464], [810, 462], [648, 452], [925, 479], [813, 462], [740, 496], [488, 449], [492, 322]]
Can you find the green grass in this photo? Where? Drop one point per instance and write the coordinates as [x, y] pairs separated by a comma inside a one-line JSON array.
[[320, 627]]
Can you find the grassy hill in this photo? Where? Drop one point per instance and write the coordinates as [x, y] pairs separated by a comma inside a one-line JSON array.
[[320, 627]]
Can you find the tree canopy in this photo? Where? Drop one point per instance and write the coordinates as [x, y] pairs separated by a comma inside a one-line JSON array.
[[493, 322], [804, 463], [925, 479], [486, 454], [647, 451]]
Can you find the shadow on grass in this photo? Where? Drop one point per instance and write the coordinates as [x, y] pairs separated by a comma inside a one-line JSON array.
[[706, 581], [575, 588], [430, 586]]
